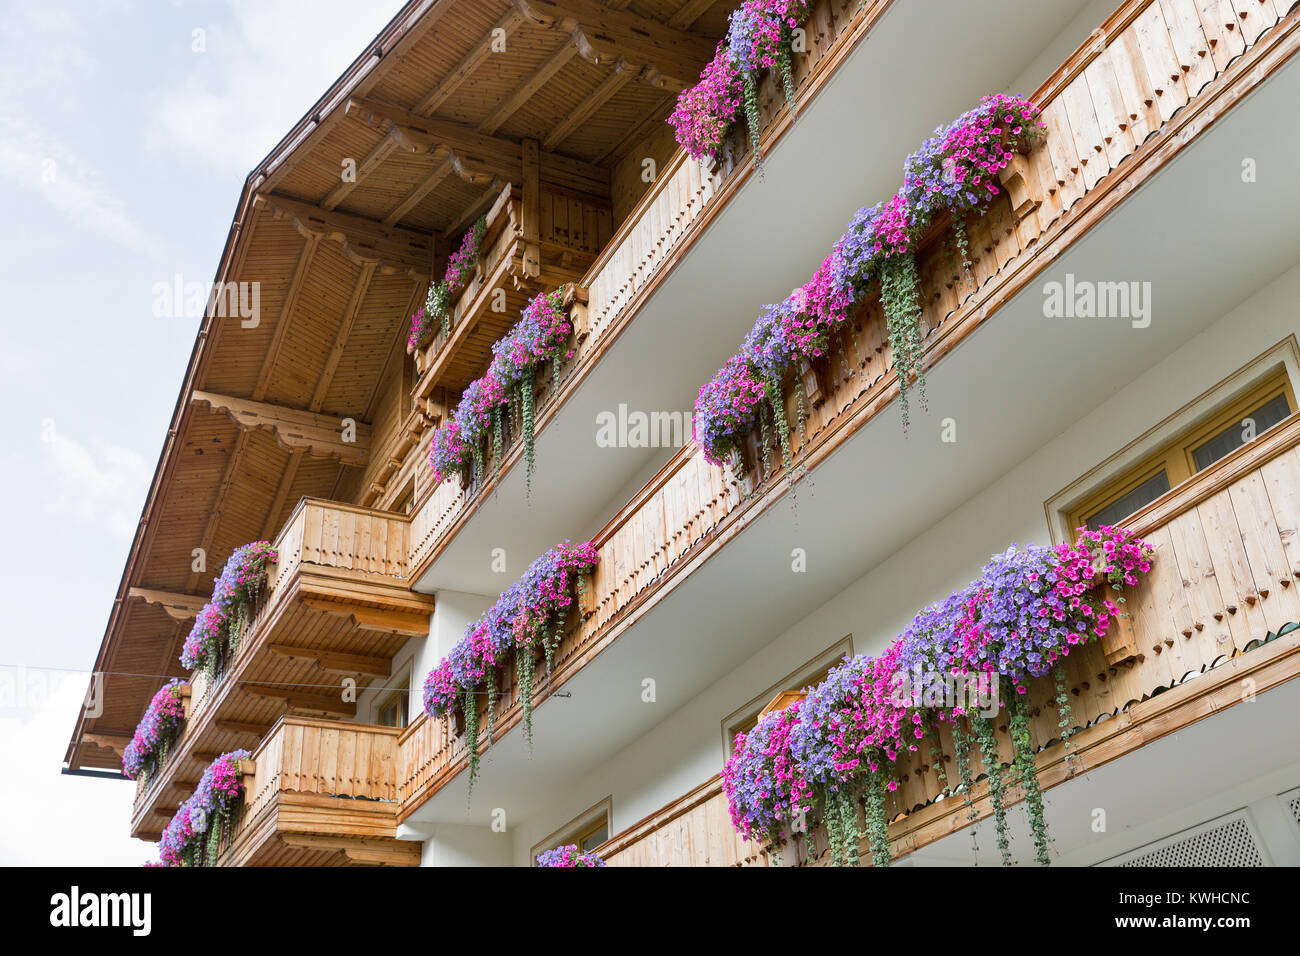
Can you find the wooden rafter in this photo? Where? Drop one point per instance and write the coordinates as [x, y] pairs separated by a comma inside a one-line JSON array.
[[368, 164], [527, 87], [422, 189], [604, 34], [337, 662], [329, 701], [373, 852], [390, 248], [592, 102], [690, 11], [321, 436], [472, 60], [239, 727], [179, 607], [406, 623]]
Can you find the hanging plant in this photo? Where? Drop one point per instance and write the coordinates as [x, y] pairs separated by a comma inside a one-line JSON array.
[[835, 749], [705, 112], [521, 622], [954, 171], [541, 335], [192, 837], [997, 783], [235, 594], [1027, 774], [461, 263], [158, 728]]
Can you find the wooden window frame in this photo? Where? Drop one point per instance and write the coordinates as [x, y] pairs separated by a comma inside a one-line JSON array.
[[1175, 458], [399, 690], [591, 820], [1184, 430], [797, 679]]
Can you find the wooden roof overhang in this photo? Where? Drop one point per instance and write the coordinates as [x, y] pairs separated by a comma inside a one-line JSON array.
[[439, 121], [337, 608]]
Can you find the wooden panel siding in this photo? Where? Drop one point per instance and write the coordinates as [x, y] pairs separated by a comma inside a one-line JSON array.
[[690, 510], [1220, 607], [339, 586], [321, 787]]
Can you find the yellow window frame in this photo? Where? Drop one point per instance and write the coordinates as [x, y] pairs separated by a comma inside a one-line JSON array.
[[1175, 457]]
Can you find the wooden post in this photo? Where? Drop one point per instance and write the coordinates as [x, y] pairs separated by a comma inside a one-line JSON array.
[[1015, 178], [530, 215]]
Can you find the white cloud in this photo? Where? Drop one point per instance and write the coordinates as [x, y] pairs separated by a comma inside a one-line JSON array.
[[36, 161], [258, 75], [99, 483], [82, 821]]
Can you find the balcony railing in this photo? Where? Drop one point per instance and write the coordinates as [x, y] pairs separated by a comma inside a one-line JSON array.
[[1053, 197], [337, 604], [1221, 605], [321, 792], [674, 212]]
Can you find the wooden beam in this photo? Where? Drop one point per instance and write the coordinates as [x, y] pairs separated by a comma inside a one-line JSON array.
[[593, 101], [471, 61], [282, 322], [179, 607], [341, 337], [383, 620], [530, 213], [240, 727], [690, 11], [603, 35], [527, 87], [368, 165], [476, 157], [214, 516], [296, 698], [392, 248], [357, 849], [319, 435], [114, 742], [478, 207], [337, 662], [422, 189]]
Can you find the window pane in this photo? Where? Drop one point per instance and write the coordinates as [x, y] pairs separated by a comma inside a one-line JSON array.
[[1232, 437], [1142, 495], [596, 839]]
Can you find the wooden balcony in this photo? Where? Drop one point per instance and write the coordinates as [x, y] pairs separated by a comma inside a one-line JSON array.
[[525, 251], [1220, 607], [1053, 197], [336, 607], [672, 214], [321, 793]]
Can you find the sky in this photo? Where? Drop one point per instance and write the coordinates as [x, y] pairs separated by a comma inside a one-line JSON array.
[[126, 132]]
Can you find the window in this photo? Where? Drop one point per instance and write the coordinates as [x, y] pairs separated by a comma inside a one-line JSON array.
[[1225, 430], [587, 831], [391, 706], [810, 674]]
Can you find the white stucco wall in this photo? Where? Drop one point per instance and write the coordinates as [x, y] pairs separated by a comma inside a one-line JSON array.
[[685, 749]]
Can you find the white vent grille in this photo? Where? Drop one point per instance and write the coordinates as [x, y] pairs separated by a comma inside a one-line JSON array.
[[1291, 801], [1227, 841]]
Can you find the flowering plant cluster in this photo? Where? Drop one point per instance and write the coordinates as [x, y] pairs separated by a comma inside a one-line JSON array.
[[568, 856], [956, 171], [1024, 614], [218, 623], [459, 444], [762, 779], [437, 304], [706, 111], [191, 837], [155, 732], [527, 619], [760, 36]]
